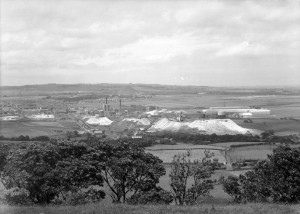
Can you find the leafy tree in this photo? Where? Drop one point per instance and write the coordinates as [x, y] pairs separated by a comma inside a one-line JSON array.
[[183, 169], [51, 170], [232, 187], [4, 149], [283, 174], [267, 135], [249, 187], [23, 138], [129, 170], [40, 138], [274, 180]]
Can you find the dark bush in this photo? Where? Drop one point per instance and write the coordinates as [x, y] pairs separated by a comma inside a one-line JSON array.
[[274, 180], [154, 196], [17, 196], [51, 170]]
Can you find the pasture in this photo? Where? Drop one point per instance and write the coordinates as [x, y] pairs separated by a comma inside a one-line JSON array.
[[167, 152], [279, 126], [228, 144], [32, 129], [256, 152], [186, 146]]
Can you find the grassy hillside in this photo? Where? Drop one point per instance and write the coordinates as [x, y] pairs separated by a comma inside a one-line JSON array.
[[102, 208]]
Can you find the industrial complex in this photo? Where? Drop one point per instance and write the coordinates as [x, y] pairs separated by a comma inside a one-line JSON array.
[[111, 113], [236, 112]]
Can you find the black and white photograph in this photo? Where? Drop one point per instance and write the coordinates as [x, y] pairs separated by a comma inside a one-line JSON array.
[[149, 106]]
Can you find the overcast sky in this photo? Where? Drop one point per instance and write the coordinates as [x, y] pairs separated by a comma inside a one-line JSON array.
[[207, 42]]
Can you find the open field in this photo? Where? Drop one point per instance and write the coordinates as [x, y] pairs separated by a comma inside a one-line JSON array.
[[259, 152], [104, 208], [32, 129], [42, 123], [167, 152], [228, 144], [279, 126], [196, 154], [181, 146]]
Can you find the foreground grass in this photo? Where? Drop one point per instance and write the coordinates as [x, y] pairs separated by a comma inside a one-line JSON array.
[[103, 208]]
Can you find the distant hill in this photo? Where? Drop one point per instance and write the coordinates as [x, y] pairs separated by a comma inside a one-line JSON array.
[[144, 89], [105, 88]]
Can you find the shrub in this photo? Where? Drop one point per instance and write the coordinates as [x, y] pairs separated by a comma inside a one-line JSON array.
[[17, 196], [77, 198], [154, 196]]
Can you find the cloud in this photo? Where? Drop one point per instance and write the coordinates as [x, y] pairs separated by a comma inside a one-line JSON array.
[[205, 39], [125, 24], [146, 50], [244, 48]]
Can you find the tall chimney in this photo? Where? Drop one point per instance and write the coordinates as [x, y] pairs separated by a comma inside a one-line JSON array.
[[120, 104], [105, 100]]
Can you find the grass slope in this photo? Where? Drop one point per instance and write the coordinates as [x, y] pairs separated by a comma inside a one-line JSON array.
[[102, 208]]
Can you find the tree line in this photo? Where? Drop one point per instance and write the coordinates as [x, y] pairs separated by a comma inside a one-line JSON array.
[[74, 172], [206, 139], [78, 172]]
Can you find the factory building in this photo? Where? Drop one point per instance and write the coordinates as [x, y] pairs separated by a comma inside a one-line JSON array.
[[106, 106], [235, 112]]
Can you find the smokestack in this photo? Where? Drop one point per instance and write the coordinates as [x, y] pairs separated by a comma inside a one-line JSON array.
[[120, 104], [105, 100]]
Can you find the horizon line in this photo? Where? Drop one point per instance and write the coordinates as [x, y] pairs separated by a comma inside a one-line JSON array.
[[112, 83]]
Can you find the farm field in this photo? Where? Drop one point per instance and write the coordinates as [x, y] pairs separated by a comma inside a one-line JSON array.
[[183, 146], [228, 144], [45, 124], [68, 123], [167, 152], [255, 154], [32, 129], [259, 152], [279, 126]]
